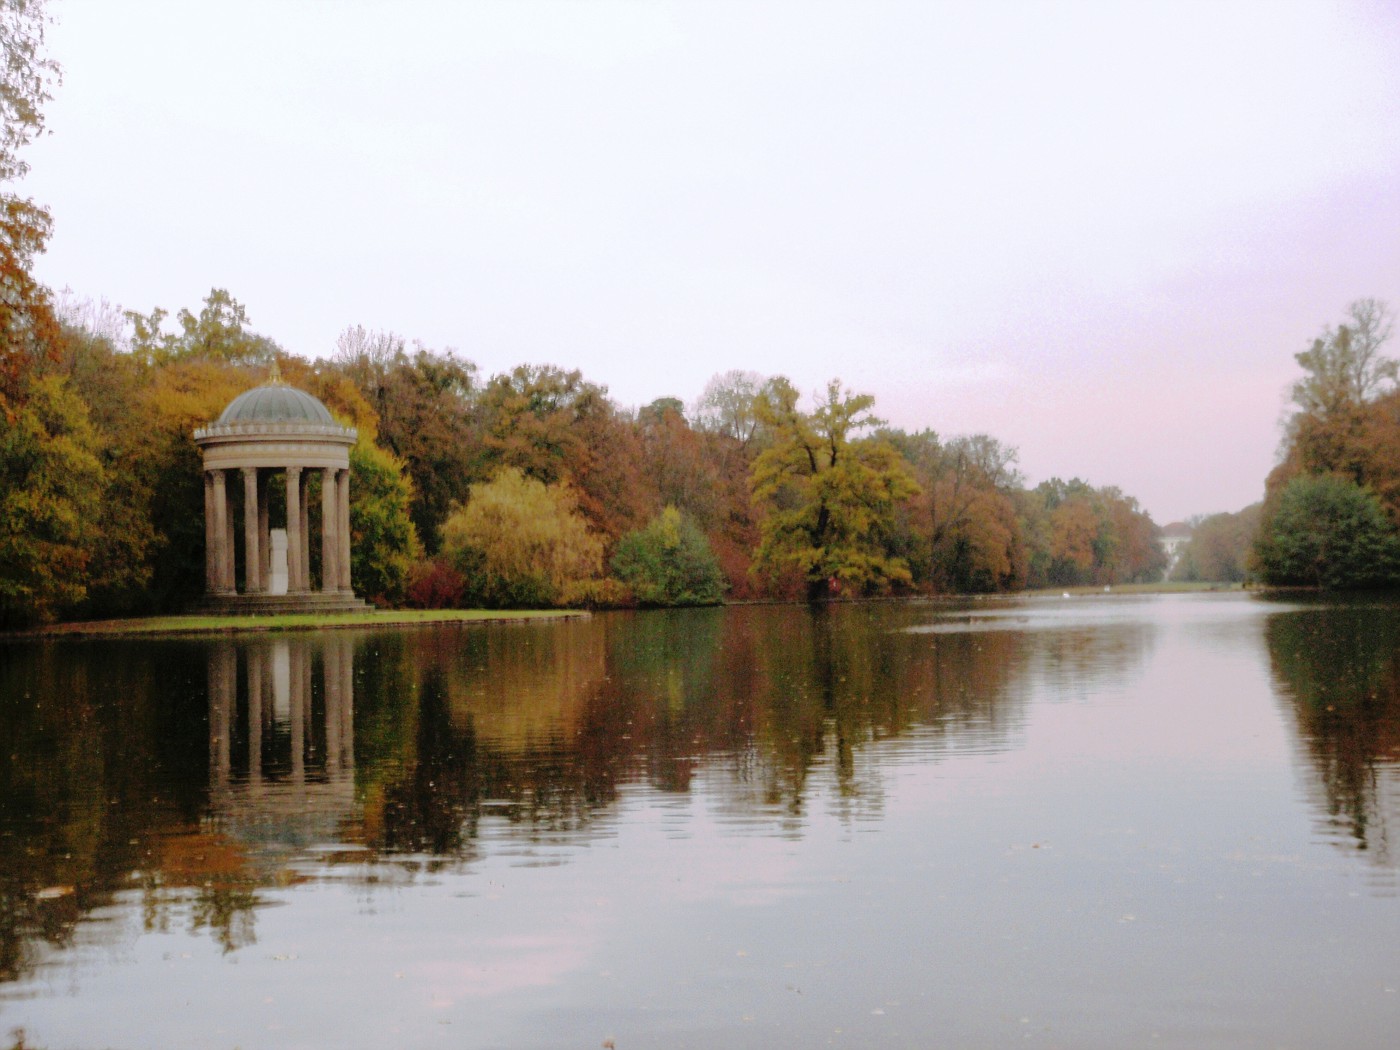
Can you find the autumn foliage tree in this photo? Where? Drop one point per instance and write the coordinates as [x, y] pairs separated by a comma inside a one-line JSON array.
[[828, 496], [27, 78], [1219, 548], [425, 403], [962, 530], [1080, 534], [520, 542], [51, 485], [1345, 437]]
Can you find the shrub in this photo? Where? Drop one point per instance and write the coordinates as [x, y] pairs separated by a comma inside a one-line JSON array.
[[669, 562], [435, 585]]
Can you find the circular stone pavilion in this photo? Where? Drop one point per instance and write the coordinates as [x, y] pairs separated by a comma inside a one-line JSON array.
[[276, 435]]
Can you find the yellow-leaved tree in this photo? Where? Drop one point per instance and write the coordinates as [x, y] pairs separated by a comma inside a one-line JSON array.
[[520, 542], [828, 497]]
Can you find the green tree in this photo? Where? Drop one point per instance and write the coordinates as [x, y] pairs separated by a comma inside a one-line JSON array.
[[669, 562], [51, 487], [383, 542], [520, 542], [829, 498], [1330, 532], [219, 332]]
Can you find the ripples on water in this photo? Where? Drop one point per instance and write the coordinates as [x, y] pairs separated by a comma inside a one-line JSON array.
[[1081, 822]]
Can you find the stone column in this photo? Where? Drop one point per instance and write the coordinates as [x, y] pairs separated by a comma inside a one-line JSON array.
[[252, 551], [330, 520], [305, 531], [230, 543], [211, 554], [295, 537], [343, 484], [223, 557], [264, 530]]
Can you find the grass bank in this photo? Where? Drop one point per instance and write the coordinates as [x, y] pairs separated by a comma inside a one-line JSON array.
[[289, 622]]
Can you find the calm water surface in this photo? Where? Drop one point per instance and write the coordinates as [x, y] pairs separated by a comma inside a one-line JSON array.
[[1097, 822]]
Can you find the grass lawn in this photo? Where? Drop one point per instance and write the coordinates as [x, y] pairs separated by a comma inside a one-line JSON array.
[[291, 621]]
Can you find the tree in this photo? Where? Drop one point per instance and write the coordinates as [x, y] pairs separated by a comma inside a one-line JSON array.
[[1327, 531], [520, 542], [110, 384], [27, 78], [51, 487], [680, 463], [1219, 548], [532, 416], [1078, 534], [383, 542], [828, 498], [218, 333], [1344, 366], [1138, 557], [160, 454], [728, 405], [427, 410], [962, 532], [669, 562]]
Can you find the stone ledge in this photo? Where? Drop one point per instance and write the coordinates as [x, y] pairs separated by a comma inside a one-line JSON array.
[[261, 604]]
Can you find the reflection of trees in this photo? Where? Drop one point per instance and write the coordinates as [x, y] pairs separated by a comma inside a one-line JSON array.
[[172, 768], [206, 769], [99, 741], [1338, 665], [538, 726]]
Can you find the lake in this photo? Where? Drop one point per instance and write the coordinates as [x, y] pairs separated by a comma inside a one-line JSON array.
[[1089, 822]]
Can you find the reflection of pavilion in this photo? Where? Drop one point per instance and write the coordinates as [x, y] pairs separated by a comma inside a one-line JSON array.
[[281, 739]]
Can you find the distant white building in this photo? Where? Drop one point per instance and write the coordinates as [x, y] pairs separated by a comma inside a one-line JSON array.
[[1172, 538]]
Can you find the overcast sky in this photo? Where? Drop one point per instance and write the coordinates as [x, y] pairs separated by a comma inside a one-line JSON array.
[[1097, 231]]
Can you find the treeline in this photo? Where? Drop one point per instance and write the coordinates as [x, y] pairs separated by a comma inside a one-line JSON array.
[[530, 487]]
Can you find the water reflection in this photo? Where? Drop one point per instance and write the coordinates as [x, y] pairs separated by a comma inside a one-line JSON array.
[[1338, 668], [913, 812], [197, 774]]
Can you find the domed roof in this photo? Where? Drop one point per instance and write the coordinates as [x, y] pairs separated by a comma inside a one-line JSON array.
[[276, 402]]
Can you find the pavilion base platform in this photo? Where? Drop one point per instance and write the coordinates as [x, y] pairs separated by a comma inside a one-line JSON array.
[[274, 604]]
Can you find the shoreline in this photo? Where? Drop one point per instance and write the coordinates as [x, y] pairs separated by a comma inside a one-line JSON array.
[[194, 625], [166, 626]]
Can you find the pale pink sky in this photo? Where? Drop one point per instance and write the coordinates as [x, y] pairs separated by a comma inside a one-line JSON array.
[[1097, 231]]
